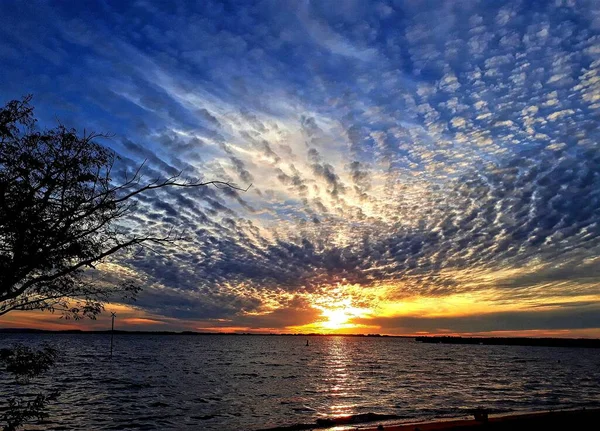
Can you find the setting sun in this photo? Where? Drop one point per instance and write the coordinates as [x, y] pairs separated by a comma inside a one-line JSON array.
[[336, 319], [340, 316]]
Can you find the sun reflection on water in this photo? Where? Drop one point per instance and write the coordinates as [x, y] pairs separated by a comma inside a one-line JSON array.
[[340, 379]]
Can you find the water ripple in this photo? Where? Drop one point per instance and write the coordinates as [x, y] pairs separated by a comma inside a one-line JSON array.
[[237, 382]]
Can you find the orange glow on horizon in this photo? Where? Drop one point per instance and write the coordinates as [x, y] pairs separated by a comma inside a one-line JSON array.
[[128, 317], [343, 313], [337, 315], [142, 321]]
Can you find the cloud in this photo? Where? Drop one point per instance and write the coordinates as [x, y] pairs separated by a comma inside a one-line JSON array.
[[451, 151], [323, 35], [580, 318]]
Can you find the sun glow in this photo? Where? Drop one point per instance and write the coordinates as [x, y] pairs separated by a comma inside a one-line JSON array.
[[336, 319], [340, 315]]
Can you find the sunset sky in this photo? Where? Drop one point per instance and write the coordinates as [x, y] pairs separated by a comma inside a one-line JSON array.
[[416, 166]]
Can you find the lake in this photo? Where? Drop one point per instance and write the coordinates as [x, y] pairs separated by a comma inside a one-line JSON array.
[[225, 382]]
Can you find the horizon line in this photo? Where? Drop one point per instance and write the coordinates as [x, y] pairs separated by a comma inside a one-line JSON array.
[[288, 334]]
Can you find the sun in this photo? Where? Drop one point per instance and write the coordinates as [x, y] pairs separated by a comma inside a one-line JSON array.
[[340, 315], [343, 309], [336, 318]]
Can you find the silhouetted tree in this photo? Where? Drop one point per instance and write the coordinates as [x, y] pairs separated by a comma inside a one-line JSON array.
[[59, 214]]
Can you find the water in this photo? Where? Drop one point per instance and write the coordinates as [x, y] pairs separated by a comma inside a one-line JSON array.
[[252, 382]]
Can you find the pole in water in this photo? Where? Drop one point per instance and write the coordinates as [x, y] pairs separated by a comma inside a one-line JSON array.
[[112, 330]]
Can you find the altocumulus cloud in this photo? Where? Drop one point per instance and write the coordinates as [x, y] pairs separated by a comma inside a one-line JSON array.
[[410, 149]]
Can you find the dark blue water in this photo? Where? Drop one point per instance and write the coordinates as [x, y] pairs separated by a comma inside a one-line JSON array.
[[250, 382]]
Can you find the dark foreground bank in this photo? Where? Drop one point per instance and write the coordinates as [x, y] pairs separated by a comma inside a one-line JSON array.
[[556, 420], [548, 420]]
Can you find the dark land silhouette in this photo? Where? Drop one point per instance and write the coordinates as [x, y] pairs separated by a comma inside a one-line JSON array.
[[556, 420], [516, 341]]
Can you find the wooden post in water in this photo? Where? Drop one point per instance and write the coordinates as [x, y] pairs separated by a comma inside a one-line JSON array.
[[112, 330]]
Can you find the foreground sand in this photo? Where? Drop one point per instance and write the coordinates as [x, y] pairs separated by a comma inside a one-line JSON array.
[[567, 419]]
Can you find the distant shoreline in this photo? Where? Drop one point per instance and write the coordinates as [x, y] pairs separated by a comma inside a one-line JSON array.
[[513, 341], [128, 332], [504, 341]]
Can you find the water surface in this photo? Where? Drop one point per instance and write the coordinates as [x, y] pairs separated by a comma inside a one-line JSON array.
[[222, 382]]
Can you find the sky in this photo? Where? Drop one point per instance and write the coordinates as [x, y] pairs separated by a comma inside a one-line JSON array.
[[417, 167]]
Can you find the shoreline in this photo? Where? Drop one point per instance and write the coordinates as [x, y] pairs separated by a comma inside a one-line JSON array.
[[507, 421], [512, 341], [452, 340], [533, 420]]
